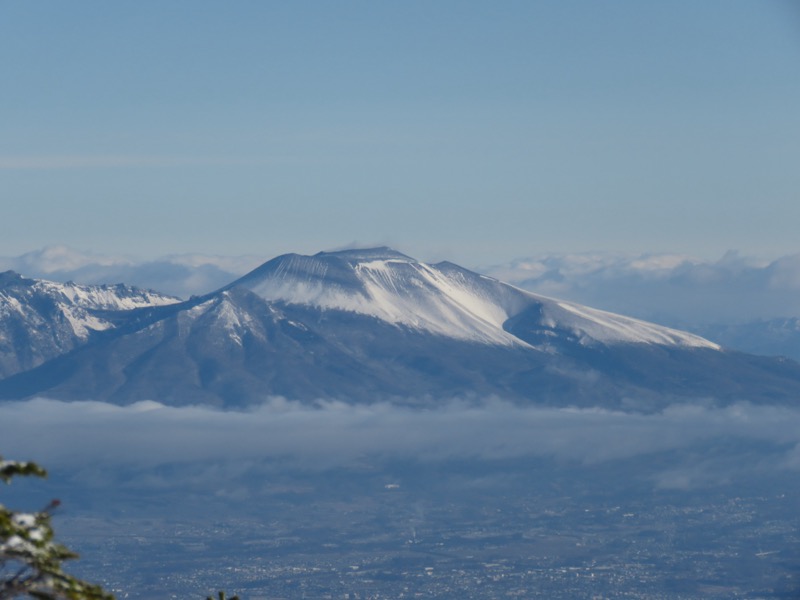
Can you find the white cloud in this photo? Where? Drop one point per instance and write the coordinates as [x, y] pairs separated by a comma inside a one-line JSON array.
[[59, 258]]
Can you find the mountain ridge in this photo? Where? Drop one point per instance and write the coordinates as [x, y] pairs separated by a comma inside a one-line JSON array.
[[376, 325], [41, 319]]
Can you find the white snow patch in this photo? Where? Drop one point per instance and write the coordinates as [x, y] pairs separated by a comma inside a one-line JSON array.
[[401, 292], [82, 322], [107, 298], [10, 304], [234, 322]]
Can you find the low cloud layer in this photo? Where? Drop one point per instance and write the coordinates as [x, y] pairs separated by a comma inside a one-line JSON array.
[[148, 434]]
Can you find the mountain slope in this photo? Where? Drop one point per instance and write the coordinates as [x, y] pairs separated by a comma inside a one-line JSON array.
[[443, 299], [376, 325]]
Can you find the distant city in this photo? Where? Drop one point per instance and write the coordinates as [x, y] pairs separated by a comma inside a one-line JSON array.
[[567, 536]]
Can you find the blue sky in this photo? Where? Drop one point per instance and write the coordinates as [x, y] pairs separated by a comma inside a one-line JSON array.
[[472, 131]]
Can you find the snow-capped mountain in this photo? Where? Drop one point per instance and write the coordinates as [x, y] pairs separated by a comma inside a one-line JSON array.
[[369, 325], [444, 299], [42, 319], [391, 287]]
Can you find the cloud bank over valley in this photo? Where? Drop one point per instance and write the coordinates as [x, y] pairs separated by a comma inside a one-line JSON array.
[[87, 436]]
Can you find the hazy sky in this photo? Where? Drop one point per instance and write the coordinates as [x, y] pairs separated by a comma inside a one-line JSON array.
[[474, 131]]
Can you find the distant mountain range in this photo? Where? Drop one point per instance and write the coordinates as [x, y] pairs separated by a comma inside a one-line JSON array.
[[358, 326]]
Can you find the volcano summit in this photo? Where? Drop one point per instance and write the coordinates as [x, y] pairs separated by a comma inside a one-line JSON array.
[[374, 324]]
